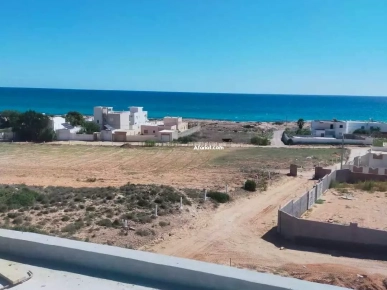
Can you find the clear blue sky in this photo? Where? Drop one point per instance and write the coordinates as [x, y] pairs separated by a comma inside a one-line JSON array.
[[247, 46]]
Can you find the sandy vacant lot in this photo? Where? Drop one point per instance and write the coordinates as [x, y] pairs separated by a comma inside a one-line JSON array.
[[71, 165], [368, 209], [238, 233]]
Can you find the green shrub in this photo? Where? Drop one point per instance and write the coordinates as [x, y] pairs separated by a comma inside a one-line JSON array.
[[21, 198], [116, 223], [320, 201], [30, 229], [304, 132], [18, 220], [366, 185], [105, 223], [145, 219], [143, 203], [149, 143], [72, 228], [91, 179], [163, 224], [250, 185], [248, 126], [186, 139], [65, 218], [3, 208], [361, 132], [219, 196], [12, 215], [144, 232], [258, 140]]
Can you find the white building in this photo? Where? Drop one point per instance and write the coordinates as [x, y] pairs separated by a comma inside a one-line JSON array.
[[336, 128], [59, 123], [105, 117]]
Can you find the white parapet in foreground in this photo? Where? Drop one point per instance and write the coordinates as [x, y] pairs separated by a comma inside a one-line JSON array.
[[149, 266]]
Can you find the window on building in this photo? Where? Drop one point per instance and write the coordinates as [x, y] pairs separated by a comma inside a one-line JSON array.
[[331, 126], [97, 121], [341, 126], [362, 127], [146, 131], [154, 131]]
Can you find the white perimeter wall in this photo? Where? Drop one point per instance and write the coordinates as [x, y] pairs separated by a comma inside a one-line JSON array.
[[320, 140], [66, 135], [180, 272]]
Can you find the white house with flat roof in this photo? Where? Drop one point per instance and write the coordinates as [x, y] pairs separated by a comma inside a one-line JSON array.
[[106, 118], [336, 129]]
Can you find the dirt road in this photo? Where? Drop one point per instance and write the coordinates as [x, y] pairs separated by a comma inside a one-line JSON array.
[[235, 232], [276, 139]]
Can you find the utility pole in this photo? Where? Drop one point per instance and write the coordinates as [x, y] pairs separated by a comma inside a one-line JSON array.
[[342, 152]]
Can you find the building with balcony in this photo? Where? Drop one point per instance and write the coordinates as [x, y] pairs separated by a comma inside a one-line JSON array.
[[337, 129]]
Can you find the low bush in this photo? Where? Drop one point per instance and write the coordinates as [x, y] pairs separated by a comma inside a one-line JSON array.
[[30, 229], [320, 201], [12, 215], [105, 223], [258, 140], [90, 208], [116, 223], [145, 219], [144, 232], [72, 228], [149, 143], [186, 139], [91, 179], [65, 218], [219, 196], [18, 220], [250, 185], [3, 208], [163, 224], [21, 198], [248, 126]]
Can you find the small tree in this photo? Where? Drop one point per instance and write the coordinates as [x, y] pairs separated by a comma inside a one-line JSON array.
[[33, 126], [250, 185], [300, 123], [89, 128], [8, 118], [75, 118]]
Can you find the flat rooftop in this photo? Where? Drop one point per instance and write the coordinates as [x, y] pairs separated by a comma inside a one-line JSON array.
[[45, 262], [44, 278]]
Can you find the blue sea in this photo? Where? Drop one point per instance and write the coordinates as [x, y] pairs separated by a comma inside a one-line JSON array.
[[234, 107]]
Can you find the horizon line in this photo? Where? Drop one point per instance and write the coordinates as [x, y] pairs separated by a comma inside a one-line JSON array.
[[190, 92]]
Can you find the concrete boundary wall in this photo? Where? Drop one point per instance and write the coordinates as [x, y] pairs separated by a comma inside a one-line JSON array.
[[327, 140], [189, 131], [180, 273], [314, 233]]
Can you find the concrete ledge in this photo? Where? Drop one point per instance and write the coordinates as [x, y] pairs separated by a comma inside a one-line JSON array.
[[181, 273], [11, 273]]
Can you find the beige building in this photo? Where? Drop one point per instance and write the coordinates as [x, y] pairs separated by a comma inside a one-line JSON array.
[[176, 121], [168, 123]]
